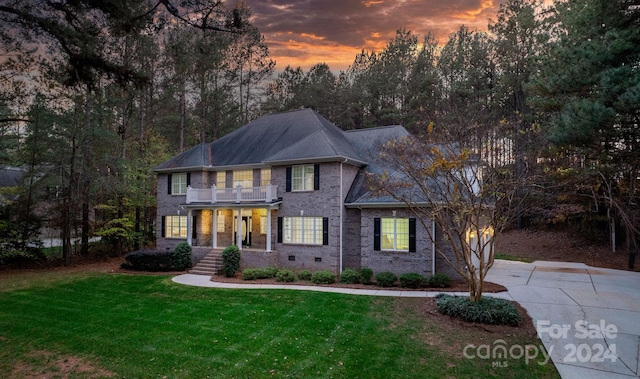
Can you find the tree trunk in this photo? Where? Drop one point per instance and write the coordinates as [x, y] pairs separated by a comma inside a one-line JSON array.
[[182, 116], [136, 239], [85, 229]]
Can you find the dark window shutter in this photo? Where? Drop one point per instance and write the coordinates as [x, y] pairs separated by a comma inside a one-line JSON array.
[[316, 177], [163, 227], [412, 235], [280, 222], [288, 182], [188, 179], [169, 184], [325, 230], [194, 232], [376, 233]]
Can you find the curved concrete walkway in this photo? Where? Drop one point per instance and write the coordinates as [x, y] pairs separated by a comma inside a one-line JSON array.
[[588, 318], [205, 281]]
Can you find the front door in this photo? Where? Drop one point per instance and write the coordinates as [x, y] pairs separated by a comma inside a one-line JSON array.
[[246, 230]]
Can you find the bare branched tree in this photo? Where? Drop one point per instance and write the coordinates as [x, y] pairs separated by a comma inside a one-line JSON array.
[[469, 203]]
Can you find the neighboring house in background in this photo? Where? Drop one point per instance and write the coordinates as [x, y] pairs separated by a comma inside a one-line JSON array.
[[290, 190], [10, 178]]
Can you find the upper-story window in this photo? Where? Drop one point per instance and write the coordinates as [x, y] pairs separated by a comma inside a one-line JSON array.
[[221, 179], [303, 178], [243, 178], [178, 183], [265, 177]]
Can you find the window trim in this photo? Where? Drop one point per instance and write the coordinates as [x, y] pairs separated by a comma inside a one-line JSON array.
[[411, 234], [313, 185], [319, 232], [168, 226], [173, 183]]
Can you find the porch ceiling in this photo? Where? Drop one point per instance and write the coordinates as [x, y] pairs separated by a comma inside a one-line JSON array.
[[260, 205]]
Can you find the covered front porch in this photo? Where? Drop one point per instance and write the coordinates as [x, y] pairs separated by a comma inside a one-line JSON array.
[[216, 226]]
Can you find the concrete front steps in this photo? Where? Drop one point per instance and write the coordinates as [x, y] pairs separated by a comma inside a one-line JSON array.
[[210, 265]]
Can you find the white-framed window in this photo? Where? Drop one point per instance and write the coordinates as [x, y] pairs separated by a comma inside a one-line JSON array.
[[175, 226], [221, 179], [265, 177], [302, 177], [302, 230], [243, 178], [220, 221], [179, 183], [263, 224], [394, 234]]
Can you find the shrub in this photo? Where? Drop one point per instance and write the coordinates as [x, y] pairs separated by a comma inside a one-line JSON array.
[[365, 275], [412, 280], [323, 277], [304, 275], [439, 280], [259, 273], [349, 276], [181, 258], [386, 279], [487, 310], [250, 273], [230, 260], [269, 272], [149, 260], [285, 276]]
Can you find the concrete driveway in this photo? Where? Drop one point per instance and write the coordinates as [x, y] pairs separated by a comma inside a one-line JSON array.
[[588, 318]]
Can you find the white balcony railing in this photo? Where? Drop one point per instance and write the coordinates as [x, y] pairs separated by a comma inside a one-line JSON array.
[[239, 194]]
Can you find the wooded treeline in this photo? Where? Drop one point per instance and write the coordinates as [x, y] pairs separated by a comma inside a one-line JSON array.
[[94, 94]]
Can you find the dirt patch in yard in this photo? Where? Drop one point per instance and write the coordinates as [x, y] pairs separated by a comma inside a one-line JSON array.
[[543, 245], [46, 365]]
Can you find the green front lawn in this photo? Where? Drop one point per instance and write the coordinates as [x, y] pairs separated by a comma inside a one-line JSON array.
[[141, 326]]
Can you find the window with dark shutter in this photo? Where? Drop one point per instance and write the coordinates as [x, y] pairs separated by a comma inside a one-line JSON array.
[[280, 229], [169, 184], [288, 180], [325, 230], [194, 230], [376, 234], [412, 235], [316, 177], [188, 179], [163, 231]]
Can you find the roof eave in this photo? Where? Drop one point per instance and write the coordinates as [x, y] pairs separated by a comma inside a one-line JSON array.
[[337, 158]]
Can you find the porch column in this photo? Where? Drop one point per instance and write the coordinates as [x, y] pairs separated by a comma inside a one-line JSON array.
[[189, 226], [268, 230], [239, 230], [214, 229]]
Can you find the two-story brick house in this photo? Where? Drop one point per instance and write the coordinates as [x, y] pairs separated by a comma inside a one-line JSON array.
[[290, 190]]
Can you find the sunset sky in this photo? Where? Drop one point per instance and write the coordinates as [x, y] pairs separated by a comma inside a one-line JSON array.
[[306, 32]]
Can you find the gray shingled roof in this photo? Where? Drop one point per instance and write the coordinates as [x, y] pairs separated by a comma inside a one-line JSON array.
[[197, 157], [276, 138], [368, 142]]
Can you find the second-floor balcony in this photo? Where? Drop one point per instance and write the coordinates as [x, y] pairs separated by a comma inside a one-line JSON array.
[[239, 194]]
